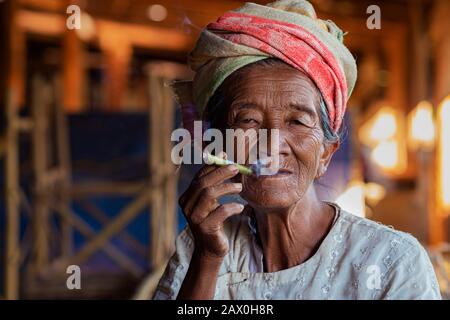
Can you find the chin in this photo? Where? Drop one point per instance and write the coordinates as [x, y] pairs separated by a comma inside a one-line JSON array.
[[271, 201]]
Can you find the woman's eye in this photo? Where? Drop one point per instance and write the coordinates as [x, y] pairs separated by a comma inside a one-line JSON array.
[[296, 122], [304, 121], [248, 121]]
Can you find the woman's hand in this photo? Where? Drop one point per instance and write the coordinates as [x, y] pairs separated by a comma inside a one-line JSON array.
[[205, 216], [204, 213]]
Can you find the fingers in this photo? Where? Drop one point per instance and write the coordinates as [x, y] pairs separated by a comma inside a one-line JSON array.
[[216, 176], [207, 200], [204, 171], [216, 219], [189, 193], [208, 168]]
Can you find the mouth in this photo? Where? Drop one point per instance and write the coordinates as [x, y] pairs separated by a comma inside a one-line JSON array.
[[284, 171], [281, 173]]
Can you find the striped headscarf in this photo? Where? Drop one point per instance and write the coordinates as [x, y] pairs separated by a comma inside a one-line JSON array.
[[288, 30]]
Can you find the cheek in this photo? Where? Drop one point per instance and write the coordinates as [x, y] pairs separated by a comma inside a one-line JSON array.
[[306, 149], [304, 157]]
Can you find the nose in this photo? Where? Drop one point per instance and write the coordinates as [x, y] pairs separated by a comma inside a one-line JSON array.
[[277, 142]]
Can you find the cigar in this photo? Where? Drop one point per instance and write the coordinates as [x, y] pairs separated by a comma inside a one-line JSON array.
[[210, 159]]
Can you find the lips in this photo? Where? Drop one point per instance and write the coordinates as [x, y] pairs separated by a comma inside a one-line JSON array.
[[281, 173], [284, 171]]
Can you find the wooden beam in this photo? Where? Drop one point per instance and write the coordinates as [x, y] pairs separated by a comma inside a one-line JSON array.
[[47, 24], [104, 219], [81, 190], [118, 223], [86, 230], [150, 37], [145, 36], [49, 5]]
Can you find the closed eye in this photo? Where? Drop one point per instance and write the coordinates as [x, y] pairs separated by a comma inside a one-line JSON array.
[[249, 121], [298, 122]]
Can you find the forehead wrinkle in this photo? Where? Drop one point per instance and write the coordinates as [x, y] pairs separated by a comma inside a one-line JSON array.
[[289, 100], [265, 89], [268, 88]]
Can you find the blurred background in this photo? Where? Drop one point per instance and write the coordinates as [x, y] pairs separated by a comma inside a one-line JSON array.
[[86, 117]]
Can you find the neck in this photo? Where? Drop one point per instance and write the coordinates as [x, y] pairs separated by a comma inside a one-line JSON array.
[[290, 236]]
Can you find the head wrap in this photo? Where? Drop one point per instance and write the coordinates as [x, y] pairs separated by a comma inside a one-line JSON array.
[[288, 30]]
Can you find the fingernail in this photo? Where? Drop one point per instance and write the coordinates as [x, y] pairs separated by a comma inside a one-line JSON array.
[[240, 206], [233, 168], [238, 186]]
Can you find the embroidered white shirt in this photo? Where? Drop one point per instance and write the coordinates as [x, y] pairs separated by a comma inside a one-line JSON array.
[[358, 259]]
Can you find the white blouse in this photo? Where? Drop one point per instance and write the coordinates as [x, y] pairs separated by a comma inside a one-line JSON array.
[[358, 259]]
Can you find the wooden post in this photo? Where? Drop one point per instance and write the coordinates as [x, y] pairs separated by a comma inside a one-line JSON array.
[[421, 54], [163, 174], [117, 52], [169, 169], [73, 72], [65, 165], [40, 111], [440, 24], [155, 151], [420, 91], [11, 90], [12, 203]]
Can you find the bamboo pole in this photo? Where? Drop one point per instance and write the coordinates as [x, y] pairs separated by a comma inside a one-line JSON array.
[[40, 114], [157, 214], [73, 72], [64, 166], [440, 24], [104, 219], [122, 218], [12, 204], [11, 95], [163, 174], [81, 190], [172, 177], [117, 51], [86, 230]]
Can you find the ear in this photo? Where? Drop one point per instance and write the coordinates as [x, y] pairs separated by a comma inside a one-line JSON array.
[[327, 151]]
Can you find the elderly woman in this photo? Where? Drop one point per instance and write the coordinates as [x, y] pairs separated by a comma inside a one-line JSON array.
[[280, 67]]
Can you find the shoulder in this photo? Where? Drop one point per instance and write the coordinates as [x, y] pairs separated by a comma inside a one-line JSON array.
[[363, 228], [382, 241], [403, 263]]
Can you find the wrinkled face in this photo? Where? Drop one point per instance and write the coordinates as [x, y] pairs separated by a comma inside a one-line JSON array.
[[285, 99]]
